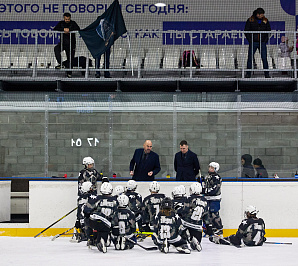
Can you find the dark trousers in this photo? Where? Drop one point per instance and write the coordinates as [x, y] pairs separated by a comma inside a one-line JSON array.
[[102, 229], [253, 47], [70, 53], [106, 62]]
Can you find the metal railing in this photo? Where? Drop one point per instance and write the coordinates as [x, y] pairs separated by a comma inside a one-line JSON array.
[[190, 54]]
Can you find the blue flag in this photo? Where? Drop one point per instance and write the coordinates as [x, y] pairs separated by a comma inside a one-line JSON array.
[[104, 31]]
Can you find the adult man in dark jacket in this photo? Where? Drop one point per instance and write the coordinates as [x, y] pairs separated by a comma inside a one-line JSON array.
[[67, 40], [144, 164], [257, 22], [186, 163]]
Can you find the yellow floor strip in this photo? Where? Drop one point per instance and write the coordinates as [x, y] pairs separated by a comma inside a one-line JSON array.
[[31, 232]]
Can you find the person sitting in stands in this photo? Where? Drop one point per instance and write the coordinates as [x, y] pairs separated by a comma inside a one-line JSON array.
[[259, 167]]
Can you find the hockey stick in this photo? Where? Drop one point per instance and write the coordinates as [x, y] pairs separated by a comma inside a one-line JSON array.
[[56, 222], [278, 243], [144, 233], [135, 243], [64, 233], [227, 241]]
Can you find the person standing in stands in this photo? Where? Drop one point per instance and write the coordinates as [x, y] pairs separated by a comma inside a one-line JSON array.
[[144, 164], [247, 168], [257, 22], [186, 163], [67, 41]]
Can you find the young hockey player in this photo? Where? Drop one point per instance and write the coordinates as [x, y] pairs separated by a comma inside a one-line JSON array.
[[251, 231], [179, 198], [211, 185], [123, 225], [192, 215], [151, 205], [99, 210], [86, 193], [168, 229], [89, 173], [135, 201]]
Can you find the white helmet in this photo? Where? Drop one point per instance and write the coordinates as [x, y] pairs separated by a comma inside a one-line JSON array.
[[106, 188], [215, 165], [252, 210], [154, 187], [123, 200], [178, 191], [195, 188], [131, 185], [183, 190], [86, 187], [88, 160], [118, 190]]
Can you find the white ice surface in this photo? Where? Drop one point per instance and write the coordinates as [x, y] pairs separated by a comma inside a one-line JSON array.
[[42, 251]]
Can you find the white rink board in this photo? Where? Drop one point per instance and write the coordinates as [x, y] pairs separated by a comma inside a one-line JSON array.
[[5, 187], [51, 200]]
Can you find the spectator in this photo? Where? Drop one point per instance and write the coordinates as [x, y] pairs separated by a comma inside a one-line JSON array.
[[144, 164], [247, 168], [106, 64], [67, 41], [285, 50], [186, 163], [259, 167], [257, 22]]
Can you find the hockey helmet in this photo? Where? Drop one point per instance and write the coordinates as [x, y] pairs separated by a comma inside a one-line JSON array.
[[215, 165], [195, 188], [123, 200], [86, 187], [177, 192], [118, 190], [251, 211], [131, 185], [106, 188], [154, 187], [87, 161]]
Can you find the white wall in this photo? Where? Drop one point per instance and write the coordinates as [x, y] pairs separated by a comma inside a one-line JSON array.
[[51, 200], [5, 187]]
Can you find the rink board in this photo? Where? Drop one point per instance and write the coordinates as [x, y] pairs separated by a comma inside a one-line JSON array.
[[51, 200]]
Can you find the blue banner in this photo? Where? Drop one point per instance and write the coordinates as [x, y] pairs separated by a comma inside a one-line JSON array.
[[22, 32], [211, 32]]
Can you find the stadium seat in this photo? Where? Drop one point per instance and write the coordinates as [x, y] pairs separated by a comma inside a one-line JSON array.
[[153, 58], [226, 57], [118, 55], [171, 58], [207, 57]]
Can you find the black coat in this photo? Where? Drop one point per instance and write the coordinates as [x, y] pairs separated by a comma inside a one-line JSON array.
[[141, 167], [72, 26], [253, 25], [187, 168]]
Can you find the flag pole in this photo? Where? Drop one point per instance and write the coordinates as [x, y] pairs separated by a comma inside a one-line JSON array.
[[129, 48]]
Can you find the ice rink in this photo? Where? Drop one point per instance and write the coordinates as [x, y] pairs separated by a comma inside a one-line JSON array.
[[42, 251]]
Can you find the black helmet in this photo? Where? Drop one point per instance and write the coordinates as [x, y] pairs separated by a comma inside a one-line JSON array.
[[167, 203]]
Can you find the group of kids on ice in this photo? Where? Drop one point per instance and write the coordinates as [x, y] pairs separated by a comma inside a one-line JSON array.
[[114, 215]]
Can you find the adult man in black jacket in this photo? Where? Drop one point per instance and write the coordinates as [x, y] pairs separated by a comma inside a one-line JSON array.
[[67, 41], [145, 163], [186, 163], [257, 22]]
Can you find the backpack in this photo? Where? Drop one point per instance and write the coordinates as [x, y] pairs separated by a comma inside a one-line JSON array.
[[186, 59]]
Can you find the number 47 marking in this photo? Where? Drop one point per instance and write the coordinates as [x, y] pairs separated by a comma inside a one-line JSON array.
[[90, 141]]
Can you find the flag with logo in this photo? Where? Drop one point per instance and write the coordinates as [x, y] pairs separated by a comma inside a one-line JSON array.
[[104, 31]]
